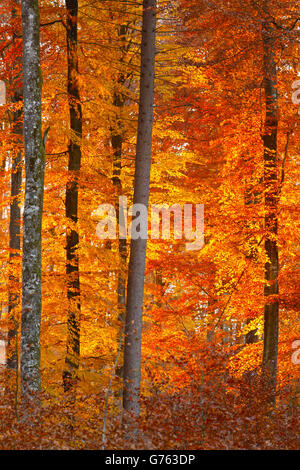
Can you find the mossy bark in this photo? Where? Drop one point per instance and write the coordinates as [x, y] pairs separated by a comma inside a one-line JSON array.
[[33, 206]]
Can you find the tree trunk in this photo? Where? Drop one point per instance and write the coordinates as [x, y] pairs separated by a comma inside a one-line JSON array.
[[117, 142], [251, 198], [271, 209], [14, 247], [70, 372], [117, 139], [14, 223], [136, 275], [33, 207]]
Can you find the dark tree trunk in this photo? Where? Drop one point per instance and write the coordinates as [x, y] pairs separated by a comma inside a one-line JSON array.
[[33, 207], [117, 139], [251, 198], [72, 359], [136, 275], [271, 209], [14, 244], [14, 220], [117, 142]]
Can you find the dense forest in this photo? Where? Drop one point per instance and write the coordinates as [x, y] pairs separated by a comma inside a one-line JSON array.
[[149, 281]]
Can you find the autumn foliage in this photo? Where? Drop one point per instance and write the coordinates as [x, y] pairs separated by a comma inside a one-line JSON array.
[[205, 380]]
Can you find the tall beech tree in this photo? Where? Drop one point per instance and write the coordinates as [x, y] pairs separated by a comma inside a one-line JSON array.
[[33, 206], [271, 188], [138, 247], [74, 150], [15, 211], [117, 141]]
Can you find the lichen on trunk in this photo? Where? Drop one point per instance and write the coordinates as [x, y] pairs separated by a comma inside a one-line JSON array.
[[33, 206]]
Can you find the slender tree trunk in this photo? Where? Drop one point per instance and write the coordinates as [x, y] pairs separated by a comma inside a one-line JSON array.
[[33, 207], [135, 286], [251, 198], [14, 246], [117, 139], [117, 142], [70, 372], [271, 209], [14, 224]]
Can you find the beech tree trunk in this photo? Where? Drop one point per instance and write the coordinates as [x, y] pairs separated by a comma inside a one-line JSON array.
[[14, 245], [14, 220], [117, 142], [72, 359], [117, 139], [271, 210], [251, 198], [33, 207], [136, 275]]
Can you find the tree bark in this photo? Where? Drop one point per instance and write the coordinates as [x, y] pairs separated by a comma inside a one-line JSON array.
[[70, 373], [33, 207], [135, 286], [251, 198], [117, 142], [271, 209], [14, 221], [117, 139]]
